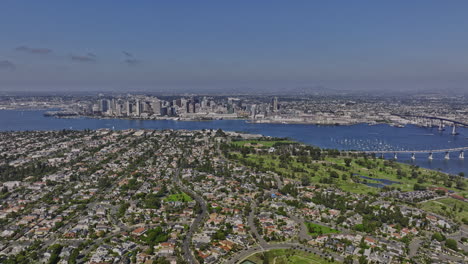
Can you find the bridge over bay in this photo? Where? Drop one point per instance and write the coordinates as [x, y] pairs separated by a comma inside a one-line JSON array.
[[435, 118], [395, 153], [411, 151]]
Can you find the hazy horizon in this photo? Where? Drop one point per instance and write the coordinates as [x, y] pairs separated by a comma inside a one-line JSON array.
[[227, 47]]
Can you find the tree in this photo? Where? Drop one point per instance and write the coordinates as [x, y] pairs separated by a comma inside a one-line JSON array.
[[305, 180], [334, 174], [220, 133], [419, 187], [461, 184], [73, 256], [154, 236], [152, 201], [347, 162], [266, 258], [438, 236], [348, 260], [245, 152], [363, 259], [452, 244], [54, 253]]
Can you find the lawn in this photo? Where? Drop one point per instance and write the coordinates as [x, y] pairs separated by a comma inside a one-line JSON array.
[[449, 207], [318, 171], [178, 197], [263, 143], [317, 230], [285, 256]]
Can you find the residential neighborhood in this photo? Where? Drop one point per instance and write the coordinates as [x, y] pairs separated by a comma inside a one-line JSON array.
[[203, 196]]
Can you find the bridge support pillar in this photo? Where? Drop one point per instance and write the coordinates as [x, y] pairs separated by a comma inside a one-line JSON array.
[[447, 155], [441, 125], [462, 155], [454, 130], [381, 155], [395, 156], [413, 156], [430, 156]]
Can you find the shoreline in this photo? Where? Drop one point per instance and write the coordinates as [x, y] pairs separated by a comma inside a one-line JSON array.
[[200, 119], [247, 120]]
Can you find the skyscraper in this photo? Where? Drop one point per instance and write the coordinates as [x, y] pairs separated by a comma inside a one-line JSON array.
[[129, 108], [156, 107], [138, 108], [274, 104], [104, 105]]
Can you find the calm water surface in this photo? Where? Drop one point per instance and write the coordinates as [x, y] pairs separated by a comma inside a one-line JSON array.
[[356, 137]]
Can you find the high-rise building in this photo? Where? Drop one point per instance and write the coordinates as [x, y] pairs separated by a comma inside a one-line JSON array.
[[129, 108], [253, 111], [172, 111], [203, 103], [274, 104], [145, 107], [156, 107], [138, 108], [118, 108], [96, 108], [164, 111], [104, 105]]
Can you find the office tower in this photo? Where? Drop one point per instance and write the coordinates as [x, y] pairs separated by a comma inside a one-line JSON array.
[[183, 105], [145, 107], [104, 105], [178, 102], [138, 108], [129, 108], [118, 108], [164, 111], [252, 111], [203, 103], [96, 108], [113, 107], [156, 107], [172, 111], [274, 104]]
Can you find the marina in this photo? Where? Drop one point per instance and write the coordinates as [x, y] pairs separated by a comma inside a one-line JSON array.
[[381, 139]]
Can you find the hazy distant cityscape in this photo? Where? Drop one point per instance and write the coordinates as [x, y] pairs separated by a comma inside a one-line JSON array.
[[323, 110]]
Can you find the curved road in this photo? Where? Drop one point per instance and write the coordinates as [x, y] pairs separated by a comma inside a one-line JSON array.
[[253, 227], [303, 231], [241, 255], [265, 246], [188, 254]]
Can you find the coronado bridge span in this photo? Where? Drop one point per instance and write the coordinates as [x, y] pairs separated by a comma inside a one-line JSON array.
[[460, 151]]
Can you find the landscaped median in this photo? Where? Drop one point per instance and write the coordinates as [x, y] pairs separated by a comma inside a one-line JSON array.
[[318, 230], [178, 197]]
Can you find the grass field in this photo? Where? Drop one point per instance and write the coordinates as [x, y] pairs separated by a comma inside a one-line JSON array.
[[179, 197], [263, 143], [317, 171], [284, 256], [449, 207], [316, 230]]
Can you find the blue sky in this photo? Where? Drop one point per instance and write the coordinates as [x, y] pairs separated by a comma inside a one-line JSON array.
[[128, 45]]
